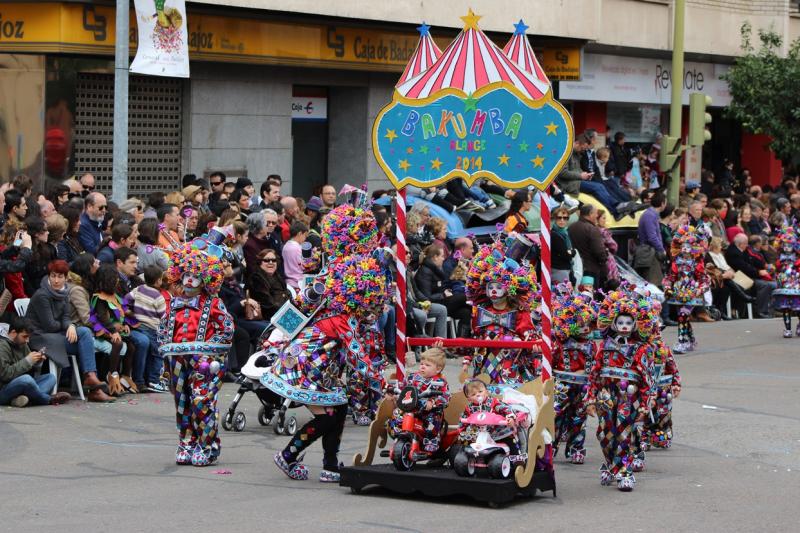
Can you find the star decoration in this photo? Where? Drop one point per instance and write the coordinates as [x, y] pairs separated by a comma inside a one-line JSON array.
[[423, 149], [470, 102], [538, 161], [539, 146], [471, 21], [551, 128], [523, 146], [409, 150], [436, 164], [391, 135], [520, 27], [404, 164], [424, 30], [503, 160]]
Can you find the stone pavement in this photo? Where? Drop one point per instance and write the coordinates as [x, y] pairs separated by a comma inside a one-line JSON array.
[[734, 465]]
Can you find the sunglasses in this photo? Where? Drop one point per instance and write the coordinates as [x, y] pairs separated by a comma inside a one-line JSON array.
[[216, 183], [269, 260], [88, 187], [102, 207], [271, 223], [562, 218]]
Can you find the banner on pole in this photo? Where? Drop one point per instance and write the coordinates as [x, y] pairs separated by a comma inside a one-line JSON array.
[[163, 44]]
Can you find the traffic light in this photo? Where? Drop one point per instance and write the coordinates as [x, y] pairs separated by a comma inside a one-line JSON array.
[[698, 119], [670, 153]]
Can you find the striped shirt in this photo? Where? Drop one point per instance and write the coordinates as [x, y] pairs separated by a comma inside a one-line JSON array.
[[147, 304]]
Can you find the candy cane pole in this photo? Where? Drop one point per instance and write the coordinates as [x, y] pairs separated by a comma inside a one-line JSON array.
[[400, 296], [546, 315]]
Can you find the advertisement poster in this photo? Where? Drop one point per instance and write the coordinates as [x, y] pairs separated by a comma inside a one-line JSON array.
[[163, 44]]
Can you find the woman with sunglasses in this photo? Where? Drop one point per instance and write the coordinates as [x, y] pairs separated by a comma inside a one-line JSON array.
[[561, 246], [266, 284]]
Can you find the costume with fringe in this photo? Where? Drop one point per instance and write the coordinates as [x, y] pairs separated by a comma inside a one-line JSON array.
[[786, 297]]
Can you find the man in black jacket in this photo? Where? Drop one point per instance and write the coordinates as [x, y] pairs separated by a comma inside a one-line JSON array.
[[738, 259]]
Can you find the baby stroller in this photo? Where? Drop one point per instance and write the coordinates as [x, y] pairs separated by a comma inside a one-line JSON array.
[[271, 403]]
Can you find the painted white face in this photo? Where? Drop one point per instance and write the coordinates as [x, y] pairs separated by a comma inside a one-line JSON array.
[[623, 324], [191, 284], [686, 248], [788, 248], [585, 331], [495, 291]]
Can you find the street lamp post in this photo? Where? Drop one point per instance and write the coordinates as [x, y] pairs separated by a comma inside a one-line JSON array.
[[119, 186], [676, 104]]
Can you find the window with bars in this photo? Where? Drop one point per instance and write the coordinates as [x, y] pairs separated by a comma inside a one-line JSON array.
[[154, 132]]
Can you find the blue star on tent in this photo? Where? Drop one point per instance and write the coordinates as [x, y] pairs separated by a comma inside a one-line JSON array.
[[519, 28], [423, 30]]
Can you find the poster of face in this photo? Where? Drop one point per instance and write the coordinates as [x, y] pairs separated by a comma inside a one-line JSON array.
[[163, 44]]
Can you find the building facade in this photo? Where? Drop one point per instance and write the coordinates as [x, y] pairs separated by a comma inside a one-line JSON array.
[[292, 88]]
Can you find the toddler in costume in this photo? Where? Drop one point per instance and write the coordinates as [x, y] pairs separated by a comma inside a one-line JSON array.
[[431, 410], [480, 401]]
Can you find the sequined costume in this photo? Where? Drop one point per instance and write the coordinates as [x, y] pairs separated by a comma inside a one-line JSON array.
[[196, 334], [620, 386], [787, 296], [506, 318], [432, 418], [366, 391], [657, 432], [574, 319], [686, 281]]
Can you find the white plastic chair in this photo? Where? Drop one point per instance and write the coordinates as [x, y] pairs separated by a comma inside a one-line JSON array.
[[749, 309]]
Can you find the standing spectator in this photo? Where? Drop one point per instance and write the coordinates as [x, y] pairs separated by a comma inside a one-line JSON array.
[[154, 201], [46, 208], [314, 215], [70, 246], [270, 192], [42, 253], [267, 286], [50, 314], [611, 247], [587, 239], [17, 386], [16, 207], [90, 232], [293, 254], [739, 260], [87, 184], [217, 183], [328, 196], [241, 199], [58, 195], [259, 226], [290, 211], [147, 249], [520, 204], [651, 252], [169, 223], [561, 247]]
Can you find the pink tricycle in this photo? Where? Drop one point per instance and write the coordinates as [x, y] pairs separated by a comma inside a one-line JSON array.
[[496, 448]]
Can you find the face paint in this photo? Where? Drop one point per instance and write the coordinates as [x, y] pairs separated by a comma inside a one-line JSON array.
[[495, 291], [623, 324], [191, 284]]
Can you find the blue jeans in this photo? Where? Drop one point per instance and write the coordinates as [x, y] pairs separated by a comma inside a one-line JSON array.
[[155, 363], [36, 389], [141, 343], [84, 349], [387, 325], [599, 191]]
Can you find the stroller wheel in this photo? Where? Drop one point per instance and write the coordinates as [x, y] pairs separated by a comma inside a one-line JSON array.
[[227, 422], [279, 427], [239, 421], [264, 417], [291, 427]]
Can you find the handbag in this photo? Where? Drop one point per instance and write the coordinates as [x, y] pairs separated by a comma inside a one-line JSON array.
[[252, 312], [743, 280]]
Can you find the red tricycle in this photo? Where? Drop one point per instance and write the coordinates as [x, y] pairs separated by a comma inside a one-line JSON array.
[[407, 450]]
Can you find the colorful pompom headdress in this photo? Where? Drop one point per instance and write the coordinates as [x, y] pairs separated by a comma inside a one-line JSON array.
[[348, 230], [490, 264], [193, 258], [624, 301], [787, 237], [356, 285], [694, 239], [572, 312]]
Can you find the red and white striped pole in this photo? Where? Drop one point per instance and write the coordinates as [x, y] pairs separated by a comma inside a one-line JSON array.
[[547, 321], [400, 295]]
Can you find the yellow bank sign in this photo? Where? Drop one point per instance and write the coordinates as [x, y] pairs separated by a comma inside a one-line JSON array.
[[90, 29]]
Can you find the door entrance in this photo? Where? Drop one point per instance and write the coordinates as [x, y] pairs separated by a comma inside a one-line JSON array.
[[309, 140]]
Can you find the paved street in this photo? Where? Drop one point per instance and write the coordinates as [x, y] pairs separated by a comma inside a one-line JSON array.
[[734, 465]]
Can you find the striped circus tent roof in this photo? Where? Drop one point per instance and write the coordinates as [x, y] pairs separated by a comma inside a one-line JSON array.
[[470, 62], [520, 51], [424, 56]]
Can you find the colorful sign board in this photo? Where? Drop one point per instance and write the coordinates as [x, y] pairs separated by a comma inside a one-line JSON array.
[[309, 108], [163, 39]]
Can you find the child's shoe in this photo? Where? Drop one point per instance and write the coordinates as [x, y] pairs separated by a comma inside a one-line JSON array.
[[606, 477], [625, 483], [183, 456], [296, 470]]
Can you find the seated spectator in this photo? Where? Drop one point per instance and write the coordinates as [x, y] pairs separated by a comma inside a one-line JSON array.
[[572, 180], [107, 316], [611, 247], [90, 231], [70, 246], [464, 251], [562, 251], [58, 195], [147, 250], [416, 238], [293, 254], [742, 226], [122, 235], [431, 284], [758, 221], [740, 260], [259, 225], [717, 224], [15, 255], [247, 331], [42, 253], [722, 285], [80, 287], [438, 228], [133, 207], [17, 387], [144, 307], [266, 284], [516, 221], [50, 313]]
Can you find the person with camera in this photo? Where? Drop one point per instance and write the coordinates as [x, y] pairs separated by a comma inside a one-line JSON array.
[[17, 387]]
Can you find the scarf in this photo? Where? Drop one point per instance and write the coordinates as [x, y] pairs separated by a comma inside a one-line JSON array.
[[564, 235]]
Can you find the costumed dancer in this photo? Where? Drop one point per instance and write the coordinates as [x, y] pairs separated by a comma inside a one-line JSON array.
[[196, 334], [327, 359], [657, 431], [620, 385], [574, 320], [787, 295], [428, 378], [686, 282], [500, 289], [365, 395]]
